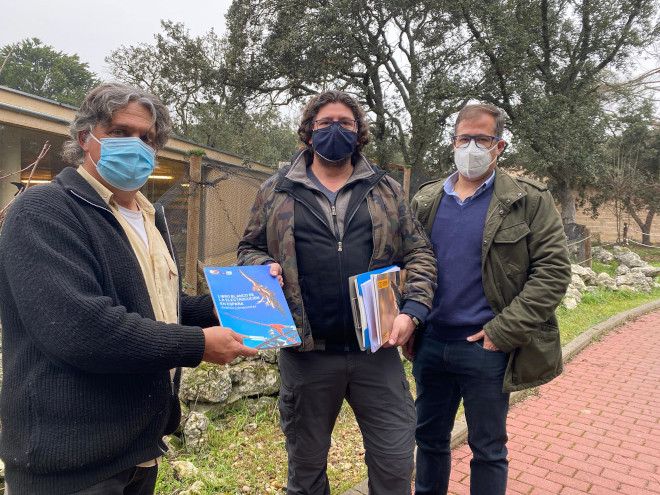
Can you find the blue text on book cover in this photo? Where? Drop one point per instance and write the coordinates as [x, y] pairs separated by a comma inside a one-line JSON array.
[[251, 302]]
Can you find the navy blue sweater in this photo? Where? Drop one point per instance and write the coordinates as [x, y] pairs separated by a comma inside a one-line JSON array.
[[460, 307]]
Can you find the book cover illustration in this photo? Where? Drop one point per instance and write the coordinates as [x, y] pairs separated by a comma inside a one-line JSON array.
[[251, 302], [387, 298], [355, 284]]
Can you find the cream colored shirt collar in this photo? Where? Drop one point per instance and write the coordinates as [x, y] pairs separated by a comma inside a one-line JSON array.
[[109, 197], [159, 270]]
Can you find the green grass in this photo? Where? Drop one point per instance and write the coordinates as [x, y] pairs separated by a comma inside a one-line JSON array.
[[598, 307], [245, 455], [649, 254], [602, 267]]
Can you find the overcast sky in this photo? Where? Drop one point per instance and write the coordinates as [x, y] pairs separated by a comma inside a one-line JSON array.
[[92, 29]]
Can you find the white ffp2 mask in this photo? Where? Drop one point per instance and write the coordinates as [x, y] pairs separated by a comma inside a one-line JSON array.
[[471, 161]]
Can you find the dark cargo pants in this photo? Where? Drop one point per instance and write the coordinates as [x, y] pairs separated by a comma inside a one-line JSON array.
[[314, 385]]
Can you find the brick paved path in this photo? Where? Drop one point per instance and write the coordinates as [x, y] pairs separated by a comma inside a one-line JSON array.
[[595, 429]]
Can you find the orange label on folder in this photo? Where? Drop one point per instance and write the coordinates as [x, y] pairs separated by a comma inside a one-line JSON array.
[[382, 284]]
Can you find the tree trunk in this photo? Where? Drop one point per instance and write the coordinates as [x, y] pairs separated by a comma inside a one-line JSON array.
[[567, 202], [644, 226], [646, 231]]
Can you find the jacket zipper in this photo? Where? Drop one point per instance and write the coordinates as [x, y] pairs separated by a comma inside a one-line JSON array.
[[342, 271], [178, 292], [340, 247], [353, 213], [336, 226], [348, 319], [169, 241]]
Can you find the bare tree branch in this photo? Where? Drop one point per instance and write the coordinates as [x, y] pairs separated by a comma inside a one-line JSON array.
[[33, 166], [7, 57]]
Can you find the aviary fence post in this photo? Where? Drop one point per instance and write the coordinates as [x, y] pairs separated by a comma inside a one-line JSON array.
[[406, 181], [406, 178], [194, 206], [578, 238]]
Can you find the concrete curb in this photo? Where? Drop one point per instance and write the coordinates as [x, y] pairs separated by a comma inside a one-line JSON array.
[[569, 351]]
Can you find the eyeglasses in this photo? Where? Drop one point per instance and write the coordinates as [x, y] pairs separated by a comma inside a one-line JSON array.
[[481, 140], [348, 124]]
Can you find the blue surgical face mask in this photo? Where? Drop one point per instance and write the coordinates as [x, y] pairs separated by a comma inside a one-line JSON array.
[[125, 163], [334, 143]]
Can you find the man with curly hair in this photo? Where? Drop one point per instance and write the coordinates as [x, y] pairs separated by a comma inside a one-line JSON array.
[[324, 218]]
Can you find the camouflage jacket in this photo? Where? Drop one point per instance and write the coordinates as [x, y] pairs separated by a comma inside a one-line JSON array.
[[397, 239]]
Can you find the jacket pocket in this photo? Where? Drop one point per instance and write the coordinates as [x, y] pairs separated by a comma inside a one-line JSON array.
[[511, 249], [538, 362], [511, 234]]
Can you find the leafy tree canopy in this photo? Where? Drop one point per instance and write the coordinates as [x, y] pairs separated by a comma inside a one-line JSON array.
[[188, 74], [261, 135], [413, 64], [38, 69], [405, 60], [631, 181], [543, 63], [184, 71]]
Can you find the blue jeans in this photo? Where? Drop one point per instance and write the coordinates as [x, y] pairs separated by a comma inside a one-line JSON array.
[[445, 371]]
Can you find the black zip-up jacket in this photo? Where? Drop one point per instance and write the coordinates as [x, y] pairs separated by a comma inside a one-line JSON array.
[[323, 270], [87, 391], [390, 235]]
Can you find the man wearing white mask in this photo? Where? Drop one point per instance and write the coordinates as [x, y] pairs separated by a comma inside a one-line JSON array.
[[93, 318], [503, 268]]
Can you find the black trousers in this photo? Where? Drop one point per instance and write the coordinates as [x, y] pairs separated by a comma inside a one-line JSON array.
[[314, 385], [132, 481]]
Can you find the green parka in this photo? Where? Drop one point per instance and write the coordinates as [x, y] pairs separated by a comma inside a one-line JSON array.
[[525, 271]]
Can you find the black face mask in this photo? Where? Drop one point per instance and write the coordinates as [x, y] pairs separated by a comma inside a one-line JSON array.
[[334, 143]]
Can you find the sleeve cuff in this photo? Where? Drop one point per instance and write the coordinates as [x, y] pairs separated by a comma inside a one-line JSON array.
[[416, 309]]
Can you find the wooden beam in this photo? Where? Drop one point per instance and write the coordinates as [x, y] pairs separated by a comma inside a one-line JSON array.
[[192, 236], [406, 181]]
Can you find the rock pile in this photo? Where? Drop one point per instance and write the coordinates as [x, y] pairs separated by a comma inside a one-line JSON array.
[[632, 274], [209, 390]]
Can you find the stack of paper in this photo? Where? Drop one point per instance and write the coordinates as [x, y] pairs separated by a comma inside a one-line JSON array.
[[376, 299]]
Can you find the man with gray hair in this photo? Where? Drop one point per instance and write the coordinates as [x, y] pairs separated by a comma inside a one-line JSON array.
[[93, 318]]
